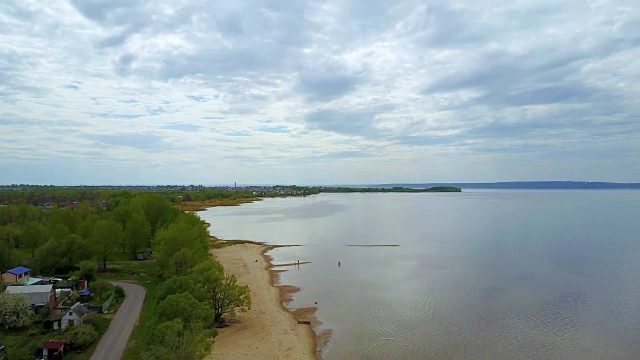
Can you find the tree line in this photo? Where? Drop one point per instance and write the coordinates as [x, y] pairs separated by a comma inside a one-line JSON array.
[[194, 291]]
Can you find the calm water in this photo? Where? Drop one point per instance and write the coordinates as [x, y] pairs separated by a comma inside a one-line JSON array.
[[477, 275]]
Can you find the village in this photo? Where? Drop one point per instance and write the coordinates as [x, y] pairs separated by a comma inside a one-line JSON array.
[[49, 309]]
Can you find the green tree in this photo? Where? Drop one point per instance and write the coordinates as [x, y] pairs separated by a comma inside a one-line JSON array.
[[88, 269], [62, 255], [175, 285], [137, 233], [175, 340], [180, 246], [220, 289], [156, 208], [186, 308], [14, 311], [34, 234], [107, 235]]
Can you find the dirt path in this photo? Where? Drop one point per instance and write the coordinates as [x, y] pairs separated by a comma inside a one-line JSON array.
[[114, 341]]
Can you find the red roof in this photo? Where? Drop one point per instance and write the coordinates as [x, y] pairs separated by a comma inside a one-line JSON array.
[[53, 345]]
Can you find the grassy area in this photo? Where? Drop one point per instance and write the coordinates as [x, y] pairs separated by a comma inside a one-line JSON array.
[[216, 243], [203, 205]]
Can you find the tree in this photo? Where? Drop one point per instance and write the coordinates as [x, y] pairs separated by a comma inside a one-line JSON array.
[[220, 289], [137, 233], [62, 255], [180, 246], [175, 285], [14, 311], [156, 208], [107, 235], [175, 340], [7, 250], [88, 270], [185, 307], [33, 235]]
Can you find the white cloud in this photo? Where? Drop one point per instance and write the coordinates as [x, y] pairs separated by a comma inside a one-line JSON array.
[[359, 91]]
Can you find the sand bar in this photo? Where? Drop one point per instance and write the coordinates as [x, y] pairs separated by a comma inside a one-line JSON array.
[[268, 330]]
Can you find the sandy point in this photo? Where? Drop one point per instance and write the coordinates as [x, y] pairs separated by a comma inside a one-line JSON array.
[[268, 330]]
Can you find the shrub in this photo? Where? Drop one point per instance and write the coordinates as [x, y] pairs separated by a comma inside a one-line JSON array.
[[119, 292], [101, 290], [97, 322], [88, 270], [80, 337]]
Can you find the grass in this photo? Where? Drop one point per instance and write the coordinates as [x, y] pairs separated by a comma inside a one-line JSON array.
[[203, 205], [216, 243]]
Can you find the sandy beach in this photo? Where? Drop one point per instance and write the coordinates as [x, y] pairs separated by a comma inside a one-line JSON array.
[[268, 330]]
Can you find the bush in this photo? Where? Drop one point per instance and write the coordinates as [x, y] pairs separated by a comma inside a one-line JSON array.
[[119, 292], [97, 322], [101, 290], [80, 337], [88, 270]]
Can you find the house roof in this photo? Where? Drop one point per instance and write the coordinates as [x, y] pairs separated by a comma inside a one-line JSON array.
[[19, 270], [37, 294], [53, 345], [55, 316], [33, 280], [29, 289], [77, 308]]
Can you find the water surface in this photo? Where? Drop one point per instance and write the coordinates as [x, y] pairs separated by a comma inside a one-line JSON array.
[[483, 274]]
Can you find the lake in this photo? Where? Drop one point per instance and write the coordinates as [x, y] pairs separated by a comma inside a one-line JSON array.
[[482, 274]]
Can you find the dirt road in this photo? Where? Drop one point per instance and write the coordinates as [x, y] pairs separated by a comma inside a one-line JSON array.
[[114, 341]]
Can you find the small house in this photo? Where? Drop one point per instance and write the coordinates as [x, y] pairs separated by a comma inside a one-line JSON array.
[[53, 350], [71, 317], [16, 275], [39, 295]]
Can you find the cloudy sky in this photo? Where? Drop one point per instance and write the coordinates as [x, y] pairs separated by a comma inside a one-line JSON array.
[[309, 92]]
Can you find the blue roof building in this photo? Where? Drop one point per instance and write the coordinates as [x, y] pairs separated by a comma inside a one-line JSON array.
[[15, 275], [19, 270]]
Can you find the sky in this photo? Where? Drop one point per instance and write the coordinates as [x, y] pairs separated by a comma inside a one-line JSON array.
[[318, 92]]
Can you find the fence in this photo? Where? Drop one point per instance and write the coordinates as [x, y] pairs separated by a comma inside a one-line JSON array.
[[106, 304]]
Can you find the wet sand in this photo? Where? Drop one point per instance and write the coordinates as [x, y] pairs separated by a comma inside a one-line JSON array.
[[268, 330]]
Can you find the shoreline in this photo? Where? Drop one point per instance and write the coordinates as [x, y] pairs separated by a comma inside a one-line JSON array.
[[320, 339], [269, 330]]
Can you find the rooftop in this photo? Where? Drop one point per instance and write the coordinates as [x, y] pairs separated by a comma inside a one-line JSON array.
[[53, 345], [19, 270], [27, 289]]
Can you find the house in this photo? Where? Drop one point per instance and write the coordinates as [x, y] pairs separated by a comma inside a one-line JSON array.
[[52, 350], [16, 275], [39, 295], [71, 317]]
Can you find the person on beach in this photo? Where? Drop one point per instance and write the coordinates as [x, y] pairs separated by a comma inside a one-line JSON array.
[[338, 263]]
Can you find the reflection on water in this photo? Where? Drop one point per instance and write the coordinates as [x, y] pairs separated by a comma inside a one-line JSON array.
[[478, 275]]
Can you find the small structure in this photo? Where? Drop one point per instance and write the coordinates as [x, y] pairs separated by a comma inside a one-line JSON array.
[[143, 255], [16, 275], [39, 295], [62, 320], [85, 295], [53, 350]]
